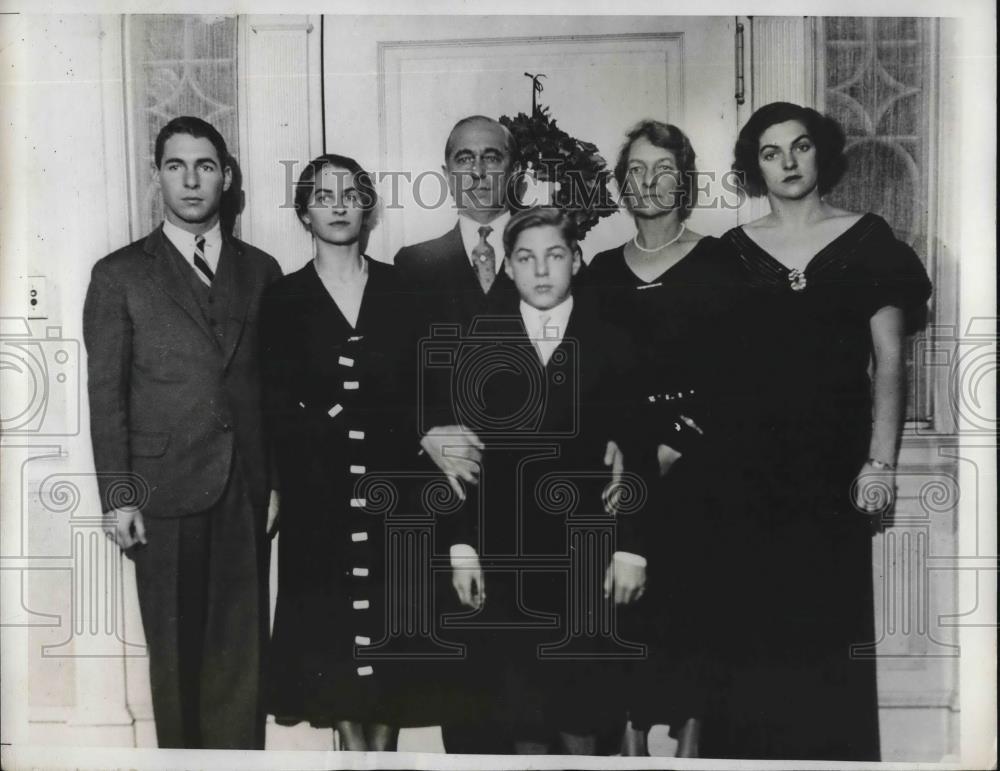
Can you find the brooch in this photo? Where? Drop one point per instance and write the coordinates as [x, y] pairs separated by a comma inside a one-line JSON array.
[[797, 279]]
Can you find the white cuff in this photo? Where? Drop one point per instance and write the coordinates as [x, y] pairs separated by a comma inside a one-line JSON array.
[[626, 556], [462, 555]]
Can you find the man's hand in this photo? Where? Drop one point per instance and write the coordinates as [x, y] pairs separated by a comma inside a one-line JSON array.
[[626, 580], [273, 509], [457, 451], [125, 527], [467, 578], [615, 459]]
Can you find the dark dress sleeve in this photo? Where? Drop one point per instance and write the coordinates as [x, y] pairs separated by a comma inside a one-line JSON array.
[[284, 425], [896, 277]]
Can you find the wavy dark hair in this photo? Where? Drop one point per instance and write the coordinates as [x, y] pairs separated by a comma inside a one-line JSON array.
[[537, 217], [671, 138], [826, 134], [362, 183], [196, 127]]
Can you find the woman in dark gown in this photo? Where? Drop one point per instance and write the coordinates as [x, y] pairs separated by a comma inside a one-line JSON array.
[[670, 288], [331, 359], [811, 454]]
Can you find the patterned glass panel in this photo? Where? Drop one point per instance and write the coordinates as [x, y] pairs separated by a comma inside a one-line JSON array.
[[878, 85], [177, 65]]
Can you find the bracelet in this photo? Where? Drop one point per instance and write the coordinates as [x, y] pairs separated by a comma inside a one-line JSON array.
[[881, 465]]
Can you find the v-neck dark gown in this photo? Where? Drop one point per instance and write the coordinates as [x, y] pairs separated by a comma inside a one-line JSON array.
[[334, 415], [681, 325], [794, 590]]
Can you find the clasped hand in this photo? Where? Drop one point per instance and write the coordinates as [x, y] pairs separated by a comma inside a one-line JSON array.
[[125, 526]]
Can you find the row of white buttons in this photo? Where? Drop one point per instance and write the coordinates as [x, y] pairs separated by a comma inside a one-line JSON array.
[[356, 503], [366, 670]]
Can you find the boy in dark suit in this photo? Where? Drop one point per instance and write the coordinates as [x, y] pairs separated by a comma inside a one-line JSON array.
[[170, 325], [543, 533], [453, 280]]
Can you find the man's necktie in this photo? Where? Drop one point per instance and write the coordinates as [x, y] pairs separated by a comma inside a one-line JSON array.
[[485, 259], [542, 343], [200, 262]]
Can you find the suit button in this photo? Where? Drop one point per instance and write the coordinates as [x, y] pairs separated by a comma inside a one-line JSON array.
[[227, 427]]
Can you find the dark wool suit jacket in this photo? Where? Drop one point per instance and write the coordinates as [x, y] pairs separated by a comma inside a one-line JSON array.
[[441, 289], [549, 427], [444, 287], [175, 390]]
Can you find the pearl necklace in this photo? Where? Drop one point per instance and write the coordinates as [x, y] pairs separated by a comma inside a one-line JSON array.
[[635, 242]]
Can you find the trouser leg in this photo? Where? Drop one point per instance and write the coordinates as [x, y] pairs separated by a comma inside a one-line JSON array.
[[170, 575], [231, 712]]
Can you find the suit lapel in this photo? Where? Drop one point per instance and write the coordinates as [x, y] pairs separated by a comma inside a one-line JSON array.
[[576, 327], [459, 261], [166, 273], [232, 291]]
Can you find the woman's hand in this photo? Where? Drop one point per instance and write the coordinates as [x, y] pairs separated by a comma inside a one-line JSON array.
[[874, 489]]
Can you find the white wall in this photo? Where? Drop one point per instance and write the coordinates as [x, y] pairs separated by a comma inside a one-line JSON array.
[[63, 206]]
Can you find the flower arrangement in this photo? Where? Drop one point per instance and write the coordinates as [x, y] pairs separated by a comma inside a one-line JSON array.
[[575, 173]]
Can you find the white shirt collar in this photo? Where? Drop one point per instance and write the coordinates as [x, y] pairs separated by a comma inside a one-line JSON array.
[[184, 241], [555, 318], [469, 229]]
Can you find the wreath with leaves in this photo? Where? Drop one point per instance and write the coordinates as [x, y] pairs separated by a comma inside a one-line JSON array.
[[577, 174]]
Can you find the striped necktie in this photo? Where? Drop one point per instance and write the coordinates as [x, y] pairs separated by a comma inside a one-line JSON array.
[[204, 272]]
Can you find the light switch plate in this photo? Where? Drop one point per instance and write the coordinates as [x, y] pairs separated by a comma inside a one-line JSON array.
[[36, 297]]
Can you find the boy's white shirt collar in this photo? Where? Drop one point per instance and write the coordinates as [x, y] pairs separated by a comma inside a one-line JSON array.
[[469, 229], [547, 338]]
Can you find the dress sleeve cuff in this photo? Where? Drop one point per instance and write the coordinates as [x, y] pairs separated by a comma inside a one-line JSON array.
[[626, 556]]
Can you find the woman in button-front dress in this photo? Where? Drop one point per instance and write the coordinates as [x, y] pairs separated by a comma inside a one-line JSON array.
[[828, 294], [332, 357]]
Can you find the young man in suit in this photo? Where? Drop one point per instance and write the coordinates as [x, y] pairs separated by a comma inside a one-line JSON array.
[[558, 392], [170, 325]]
